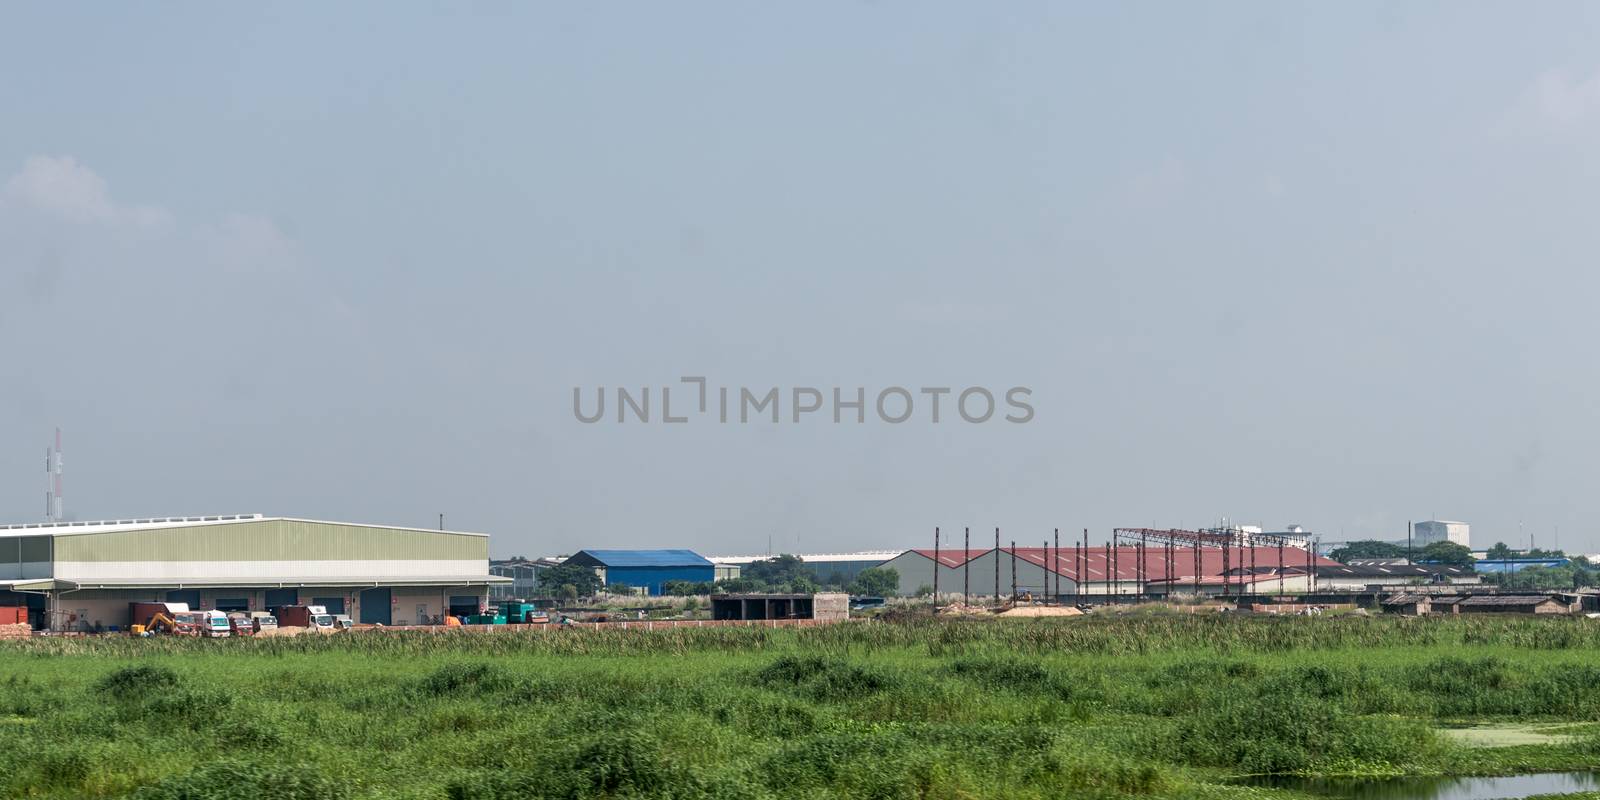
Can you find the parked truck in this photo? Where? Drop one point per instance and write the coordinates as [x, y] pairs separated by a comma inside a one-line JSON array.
[[212, 624], [304, 617]]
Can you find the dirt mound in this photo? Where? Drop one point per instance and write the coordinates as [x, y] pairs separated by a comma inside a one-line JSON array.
[[1042, 611], [16, 630], [963, 610]]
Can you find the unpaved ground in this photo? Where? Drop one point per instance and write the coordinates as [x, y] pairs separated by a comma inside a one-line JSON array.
[[1509, 735], [1042, 611]]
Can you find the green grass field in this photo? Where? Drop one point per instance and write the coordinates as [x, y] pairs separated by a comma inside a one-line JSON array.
[[1102, 706]]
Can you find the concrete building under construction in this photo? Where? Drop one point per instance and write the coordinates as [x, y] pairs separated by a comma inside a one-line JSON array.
[[84, 575]]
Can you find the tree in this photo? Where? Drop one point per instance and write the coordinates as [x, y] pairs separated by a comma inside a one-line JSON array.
[[583, 579], [681, 588], [1500, 552], [1367, 548], [876, 582], [781, 570], [1541, 577], [804, 585], [619, 588], [740, 585], [1450, 553]]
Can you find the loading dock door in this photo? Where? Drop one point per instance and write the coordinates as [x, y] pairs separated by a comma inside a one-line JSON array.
[[375, 607], [335, 605], [283, 597], [190, 596], [463, 605]]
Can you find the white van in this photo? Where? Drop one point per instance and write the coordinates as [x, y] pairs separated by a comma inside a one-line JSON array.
[[212, 623]]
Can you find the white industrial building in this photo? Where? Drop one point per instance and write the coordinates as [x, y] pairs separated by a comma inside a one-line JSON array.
[[1439, 530], [83, 575]]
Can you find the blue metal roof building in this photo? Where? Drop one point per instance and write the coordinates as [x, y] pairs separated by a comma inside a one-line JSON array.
[[1503, 565], [646, 568]]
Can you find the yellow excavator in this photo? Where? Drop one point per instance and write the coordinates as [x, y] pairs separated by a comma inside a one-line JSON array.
[[161, 623]]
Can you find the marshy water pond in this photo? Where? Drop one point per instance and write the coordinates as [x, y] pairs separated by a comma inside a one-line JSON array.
[[1508, 787]]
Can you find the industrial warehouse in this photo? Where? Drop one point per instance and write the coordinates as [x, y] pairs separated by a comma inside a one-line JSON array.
[[79, 576]]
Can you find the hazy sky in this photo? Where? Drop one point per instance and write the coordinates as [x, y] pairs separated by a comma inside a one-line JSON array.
[[1321, 263]]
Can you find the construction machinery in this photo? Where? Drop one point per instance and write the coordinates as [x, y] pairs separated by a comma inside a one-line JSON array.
[[152, 618]]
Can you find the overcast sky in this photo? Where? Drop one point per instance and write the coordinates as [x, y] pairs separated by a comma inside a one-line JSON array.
[[1331, 264]]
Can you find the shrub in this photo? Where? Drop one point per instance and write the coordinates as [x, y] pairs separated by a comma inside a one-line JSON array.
[[228, 780], [465, 679], [822, 679], [130, 681]]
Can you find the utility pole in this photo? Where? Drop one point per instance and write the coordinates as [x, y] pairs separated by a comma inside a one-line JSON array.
[[1044, 558], [1013, 570], [935, 567], [997, 566], [966, 566], [1085, 560], [1116, 567], [1077, 574], [1055, 567]]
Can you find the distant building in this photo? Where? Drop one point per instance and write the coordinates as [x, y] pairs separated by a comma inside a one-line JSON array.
[[1505, 565], [1100, 571], [646, 569], [826, 607], [524, 575], [1354, 578], [1439, 530], [75, 576], [1514, 604]]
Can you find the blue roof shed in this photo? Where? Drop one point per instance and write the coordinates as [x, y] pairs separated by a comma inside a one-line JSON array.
[[647, 568], [1518, 564]]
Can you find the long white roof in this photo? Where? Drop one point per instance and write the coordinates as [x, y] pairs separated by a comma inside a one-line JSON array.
[[865, 555], [158, 523]]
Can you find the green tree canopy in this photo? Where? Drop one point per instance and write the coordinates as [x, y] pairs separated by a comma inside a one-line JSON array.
[[1544, 578], [1367, 548], [876, 582], [1499, 552], [582, 579], [678, 588], [782, 569], [1455, 555]]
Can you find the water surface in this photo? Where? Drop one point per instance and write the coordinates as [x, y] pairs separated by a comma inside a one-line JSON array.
[[1501, 788]]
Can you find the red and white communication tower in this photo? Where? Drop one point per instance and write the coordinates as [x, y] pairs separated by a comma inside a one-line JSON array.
[[53, 511]]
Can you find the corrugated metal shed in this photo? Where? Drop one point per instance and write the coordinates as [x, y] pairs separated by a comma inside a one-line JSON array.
[[647, 569], [639, 558]]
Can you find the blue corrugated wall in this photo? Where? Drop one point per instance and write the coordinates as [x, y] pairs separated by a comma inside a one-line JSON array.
[[652, 577]]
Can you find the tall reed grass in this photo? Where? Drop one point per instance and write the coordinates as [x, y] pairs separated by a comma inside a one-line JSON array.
[[1135, 706]]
